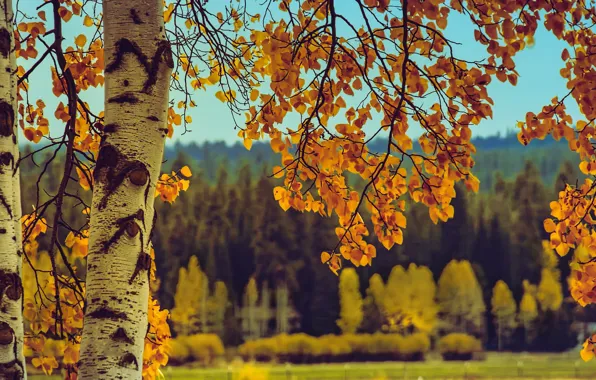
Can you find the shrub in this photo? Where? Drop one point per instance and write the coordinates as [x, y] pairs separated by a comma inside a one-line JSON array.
[[178, 352], [415, 346], [458, 346], [204, 348], [262, 350], [302, 348]]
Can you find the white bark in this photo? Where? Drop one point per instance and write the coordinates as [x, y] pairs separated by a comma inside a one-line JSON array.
[[204, 328], [12, 360], [265, 310], [281, 294], [138, 68]]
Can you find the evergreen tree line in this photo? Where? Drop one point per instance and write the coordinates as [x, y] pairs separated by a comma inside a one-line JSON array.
[[237, 231]]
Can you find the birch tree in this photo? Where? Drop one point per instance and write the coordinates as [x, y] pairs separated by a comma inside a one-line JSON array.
[[350, 300], [138, 67], [504, 311], [12, 360], [250, 306]]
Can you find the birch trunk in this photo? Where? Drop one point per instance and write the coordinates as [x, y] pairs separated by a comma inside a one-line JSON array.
[[138, 68], [265, 310], [12, 360], [204, 328], [281, 293]]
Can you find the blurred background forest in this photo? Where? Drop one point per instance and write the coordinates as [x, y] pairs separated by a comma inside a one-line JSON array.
[[231, 262]]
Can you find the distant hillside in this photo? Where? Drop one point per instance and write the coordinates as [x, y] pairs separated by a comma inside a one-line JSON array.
[[494, 154]]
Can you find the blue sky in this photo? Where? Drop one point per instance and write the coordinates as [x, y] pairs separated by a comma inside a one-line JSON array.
[[538, 67]]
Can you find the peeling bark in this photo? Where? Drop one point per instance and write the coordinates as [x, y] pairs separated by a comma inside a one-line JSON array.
[[12, 360], [137, 75]]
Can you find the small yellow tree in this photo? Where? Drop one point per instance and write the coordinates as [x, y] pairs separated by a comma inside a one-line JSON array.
[[528, 309], [408, 302], [187, 299], [217, 307], [251, 296], [550, 291], [503, 310], [350, 301], [460, 297]]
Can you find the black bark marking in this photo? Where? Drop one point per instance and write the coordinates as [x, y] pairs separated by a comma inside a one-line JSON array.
[[132, 229], [110, 128], [2, 230], [139, 177], [124, 46], [125, 82], [4, 42], [153, 118], [125, 225], [126, 97], [153, 226], [6, 119], [6, 334], [162, 53], [10, 285], [12, 370], [5, 204], [128, 360], [107, 313], [134, 15], [121, 336], [108, 158], [6, 159], [143, 263], [115, 180]]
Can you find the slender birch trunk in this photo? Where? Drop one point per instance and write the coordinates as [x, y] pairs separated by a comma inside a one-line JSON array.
[[137, 73], [12, 360], [265, 310]]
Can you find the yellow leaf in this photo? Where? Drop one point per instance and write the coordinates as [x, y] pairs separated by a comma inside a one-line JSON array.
[[549, 225], [81, 40], [247, 144], [167, 16], [88, 21], [325, 256], [221, 96], [278, 172], [185, 171], [587, 352], [42, 15]]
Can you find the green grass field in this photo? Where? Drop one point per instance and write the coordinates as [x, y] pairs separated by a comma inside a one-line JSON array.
[[496, 366]]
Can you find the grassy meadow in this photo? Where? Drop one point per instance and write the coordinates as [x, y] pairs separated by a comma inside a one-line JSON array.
[[496, 366]]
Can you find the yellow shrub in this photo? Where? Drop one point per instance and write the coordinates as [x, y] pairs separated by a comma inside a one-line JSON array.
[[458, 346], [415, 343], [204, 348], [179, 351]]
